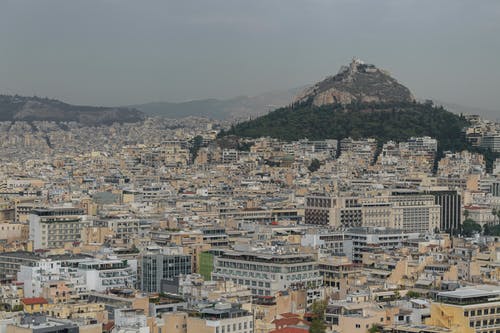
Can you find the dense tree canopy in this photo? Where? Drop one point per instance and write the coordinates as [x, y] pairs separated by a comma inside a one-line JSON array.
[[314, 166], [394, 121], [470, 227]]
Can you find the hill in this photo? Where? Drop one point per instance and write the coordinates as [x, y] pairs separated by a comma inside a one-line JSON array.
[[360, 101], [383, 121], [22, 108], [238, 108]]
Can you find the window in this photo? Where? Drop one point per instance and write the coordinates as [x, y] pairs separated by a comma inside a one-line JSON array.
[[358, 326]]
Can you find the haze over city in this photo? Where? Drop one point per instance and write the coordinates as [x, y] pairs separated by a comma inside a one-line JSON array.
[[122, 52], [257, 166]]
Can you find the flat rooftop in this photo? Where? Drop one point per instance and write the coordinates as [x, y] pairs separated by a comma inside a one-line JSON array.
[[471, 295]]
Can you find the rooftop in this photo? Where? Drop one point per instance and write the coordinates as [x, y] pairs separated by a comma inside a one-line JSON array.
[[472, 295]]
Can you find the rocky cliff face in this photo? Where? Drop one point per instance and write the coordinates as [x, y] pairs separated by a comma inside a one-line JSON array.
[[21, 108], [358, 82]]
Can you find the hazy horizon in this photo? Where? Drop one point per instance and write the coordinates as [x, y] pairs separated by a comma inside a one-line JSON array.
[[122, 52]]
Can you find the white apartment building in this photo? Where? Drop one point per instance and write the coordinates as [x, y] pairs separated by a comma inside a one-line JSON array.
[[103, 274], [267, 272], [54, 227]]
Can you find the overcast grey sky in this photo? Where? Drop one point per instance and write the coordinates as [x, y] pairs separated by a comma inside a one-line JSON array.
[[117, 52]]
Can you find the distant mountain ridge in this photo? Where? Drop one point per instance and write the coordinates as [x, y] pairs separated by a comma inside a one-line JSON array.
[[22, 108], [237, 108]]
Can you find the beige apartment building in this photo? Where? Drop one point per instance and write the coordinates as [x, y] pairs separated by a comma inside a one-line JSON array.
[[221, 318], [407, 212]]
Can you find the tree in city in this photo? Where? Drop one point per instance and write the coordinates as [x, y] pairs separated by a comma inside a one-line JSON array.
[[375, 329], [196, 144], [318, 321], [470, 227], [314, 166], [412, 294]]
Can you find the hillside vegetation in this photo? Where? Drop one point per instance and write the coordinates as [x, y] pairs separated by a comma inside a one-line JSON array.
[[386, 121]]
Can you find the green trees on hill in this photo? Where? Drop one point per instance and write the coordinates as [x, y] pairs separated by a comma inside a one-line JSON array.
[[389, 121]]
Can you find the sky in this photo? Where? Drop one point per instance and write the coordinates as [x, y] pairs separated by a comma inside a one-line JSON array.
[[121, 52]]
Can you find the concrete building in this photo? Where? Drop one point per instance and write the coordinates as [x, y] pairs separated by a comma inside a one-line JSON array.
[[333, 211], [467, 310], [11, 262], [44, 324], [267, 272], [408, 211], [361, 240], [451, 208], [222, 318], [104, 274], [491, 141], [157, 269], [54, 227]]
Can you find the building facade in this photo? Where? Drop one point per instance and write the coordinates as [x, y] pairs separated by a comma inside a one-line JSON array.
[[267, 273]]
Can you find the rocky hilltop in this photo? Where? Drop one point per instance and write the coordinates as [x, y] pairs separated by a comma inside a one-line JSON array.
[[20, 108], [360, 101], [357, 83]]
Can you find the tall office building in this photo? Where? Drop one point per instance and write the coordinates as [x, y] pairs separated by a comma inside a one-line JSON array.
[[157, 269], [491, 141], [451, 208]]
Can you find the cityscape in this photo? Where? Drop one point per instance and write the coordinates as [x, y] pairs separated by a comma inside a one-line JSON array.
[[354, 206]]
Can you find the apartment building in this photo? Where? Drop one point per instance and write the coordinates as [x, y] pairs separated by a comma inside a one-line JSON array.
[[267, 272], [415, 212], [54, 227], [408, 211], [325, 241], [333, 211], [109, 273], [361, 240], [11, 262], [467, 310]]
